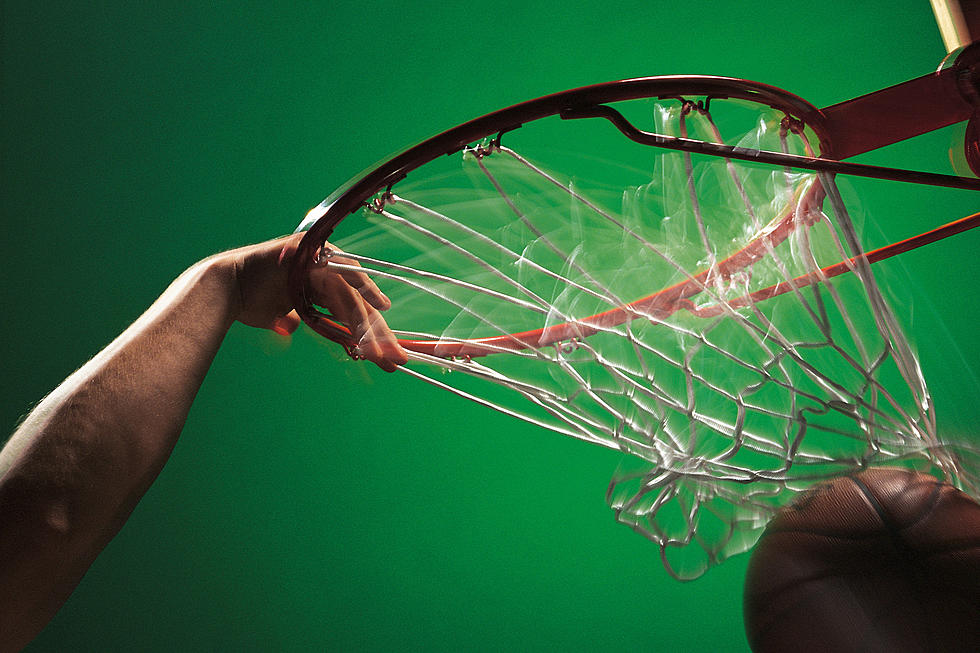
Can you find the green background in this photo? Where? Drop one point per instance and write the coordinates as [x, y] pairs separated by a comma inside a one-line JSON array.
[[313, 503]]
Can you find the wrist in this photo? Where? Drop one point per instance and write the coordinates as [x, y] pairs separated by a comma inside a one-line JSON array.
[[253, 279]]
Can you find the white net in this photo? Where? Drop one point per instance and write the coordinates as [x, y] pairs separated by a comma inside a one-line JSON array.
[[667, 305]]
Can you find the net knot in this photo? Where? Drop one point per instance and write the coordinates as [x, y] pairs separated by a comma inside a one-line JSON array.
[[568, 346]]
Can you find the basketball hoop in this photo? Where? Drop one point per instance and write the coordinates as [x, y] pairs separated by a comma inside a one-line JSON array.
[[704, 305]]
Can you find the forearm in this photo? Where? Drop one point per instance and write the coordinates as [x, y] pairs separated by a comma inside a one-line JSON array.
[[80, 462], [77, 466]]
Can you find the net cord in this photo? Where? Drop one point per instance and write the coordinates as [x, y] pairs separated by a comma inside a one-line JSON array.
[[555, 405]]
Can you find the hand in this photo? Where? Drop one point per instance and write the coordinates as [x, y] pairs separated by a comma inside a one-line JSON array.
[[260, 274]]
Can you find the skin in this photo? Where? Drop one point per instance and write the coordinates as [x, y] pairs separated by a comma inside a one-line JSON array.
[[73, 471]]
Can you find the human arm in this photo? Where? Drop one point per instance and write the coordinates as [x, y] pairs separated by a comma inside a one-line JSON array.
[[79, 463]]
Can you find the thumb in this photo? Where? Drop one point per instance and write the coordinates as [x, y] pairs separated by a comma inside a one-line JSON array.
[[286, 324]]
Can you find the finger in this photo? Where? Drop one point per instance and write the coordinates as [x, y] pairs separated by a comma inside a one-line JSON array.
[[393, 357], [379, 345], [347, 305], [325, 280], [370, 292], [329, 289], [285, 325], [362, 283], [370, 333]]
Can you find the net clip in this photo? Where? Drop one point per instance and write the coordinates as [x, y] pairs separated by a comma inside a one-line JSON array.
[[701, 106], [378, 204], [792, 125]]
